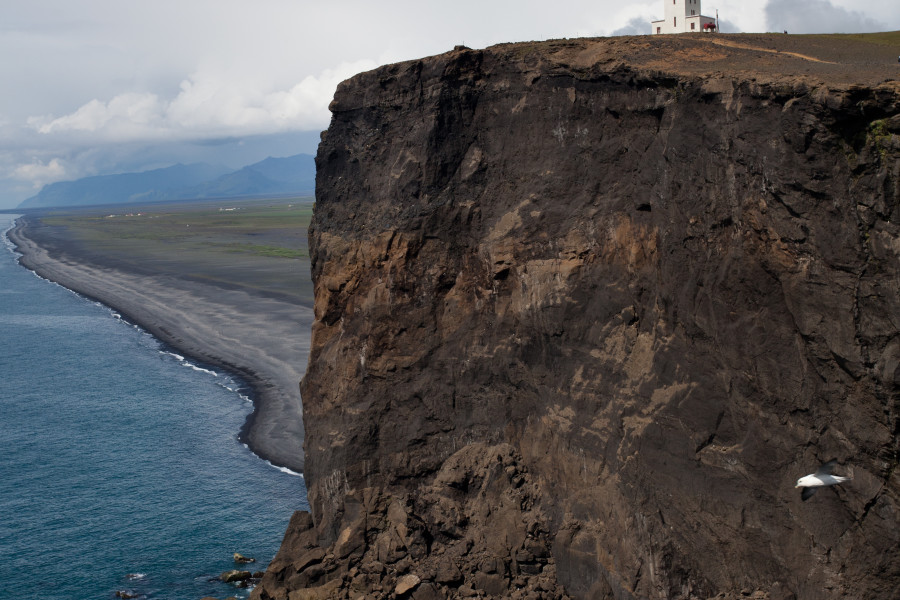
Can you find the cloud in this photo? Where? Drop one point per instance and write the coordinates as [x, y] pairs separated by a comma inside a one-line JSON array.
[[816, 16], [39, 173], [636, 26], [206, 107], [632, 18], [129, 111], [726, 26]]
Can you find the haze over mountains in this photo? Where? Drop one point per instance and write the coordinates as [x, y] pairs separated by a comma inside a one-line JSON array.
[[272, 176]]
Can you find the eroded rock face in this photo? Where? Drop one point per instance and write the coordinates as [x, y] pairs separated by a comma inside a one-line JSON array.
[[580, 326]]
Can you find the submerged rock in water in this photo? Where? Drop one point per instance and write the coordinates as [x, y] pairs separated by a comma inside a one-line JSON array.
[[240, 558], [235, 576]]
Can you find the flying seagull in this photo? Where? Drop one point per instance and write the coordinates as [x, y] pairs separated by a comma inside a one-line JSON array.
[[821, 478]]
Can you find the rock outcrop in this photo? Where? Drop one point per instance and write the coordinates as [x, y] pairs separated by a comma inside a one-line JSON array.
[[586, 310]]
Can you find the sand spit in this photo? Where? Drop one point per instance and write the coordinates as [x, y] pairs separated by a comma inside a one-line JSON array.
[[263, 340]]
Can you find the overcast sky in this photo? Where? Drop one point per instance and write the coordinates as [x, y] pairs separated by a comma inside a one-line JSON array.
[[98, 86]]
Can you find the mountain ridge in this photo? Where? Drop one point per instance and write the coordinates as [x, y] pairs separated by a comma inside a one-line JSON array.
[[270, 176]]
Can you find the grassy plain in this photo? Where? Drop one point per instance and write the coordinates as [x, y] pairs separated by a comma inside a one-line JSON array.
[[258, 245]]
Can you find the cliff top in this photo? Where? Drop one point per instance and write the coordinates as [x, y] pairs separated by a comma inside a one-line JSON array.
[[835, 60]]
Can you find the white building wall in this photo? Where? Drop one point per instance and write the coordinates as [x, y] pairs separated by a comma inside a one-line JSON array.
[[680, 15]]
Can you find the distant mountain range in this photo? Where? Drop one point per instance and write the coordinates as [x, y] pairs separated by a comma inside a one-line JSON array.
[[272, 176]]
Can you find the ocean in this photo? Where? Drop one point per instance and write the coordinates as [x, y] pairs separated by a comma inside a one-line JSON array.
[[121, 470]]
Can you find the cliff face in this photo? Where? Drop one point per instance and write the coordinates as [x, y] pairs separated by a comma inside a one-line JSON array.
[[585, 311]]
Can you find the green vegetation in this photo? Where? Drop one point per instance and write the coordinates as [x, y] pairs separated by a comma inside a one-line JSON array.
[[884, 38], [197, 225], [879, 136], [253, 244], [273, 251]]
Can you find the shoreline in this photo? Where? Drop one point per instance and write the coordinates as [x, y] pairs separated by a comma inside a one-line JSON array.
[[262, 341]]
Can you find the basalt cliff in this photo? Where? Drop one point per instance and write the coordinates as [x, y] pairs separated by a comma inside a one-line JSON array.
[[585, 312]]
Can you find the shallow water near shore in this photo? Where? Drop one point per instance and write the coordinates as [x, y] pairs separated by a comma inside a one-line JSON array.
[[121, 466]]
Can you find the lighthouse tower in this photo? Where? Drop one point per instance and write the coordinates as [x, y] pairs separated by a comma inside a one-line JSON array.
[[683, 16]]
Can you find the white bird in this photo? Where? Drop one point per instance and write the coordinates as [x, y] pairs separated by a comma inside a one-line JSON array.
[[821, 478]]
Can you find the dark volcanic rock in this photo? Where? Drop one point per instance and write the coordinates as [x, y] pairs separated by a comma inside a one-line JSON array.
[[583, 317], [240, 558], [235, 576]]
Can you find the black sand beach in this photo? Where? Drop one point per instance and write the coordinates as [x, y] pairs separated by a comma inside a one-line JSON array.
[[262, 338]]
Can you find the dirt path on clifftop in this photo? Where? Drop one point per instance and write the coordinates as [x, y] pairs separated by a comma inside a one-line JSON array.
[[730, 44]]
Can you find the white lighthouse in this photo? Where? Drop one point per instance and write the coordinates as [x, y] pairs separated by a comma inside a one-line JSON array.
[[683, 16]]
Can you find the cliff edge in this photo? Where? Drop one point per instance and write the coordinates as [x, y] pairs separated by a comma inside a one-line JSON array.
[[587, 309]]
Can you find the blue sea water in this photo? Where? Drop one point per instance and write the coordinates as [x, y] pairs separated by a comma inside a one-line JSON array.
[[120, 467]]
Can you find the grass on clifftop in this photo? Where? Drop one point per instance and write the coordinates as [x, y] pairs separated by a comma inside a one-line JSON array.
[[255, 244], [883, 38]]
